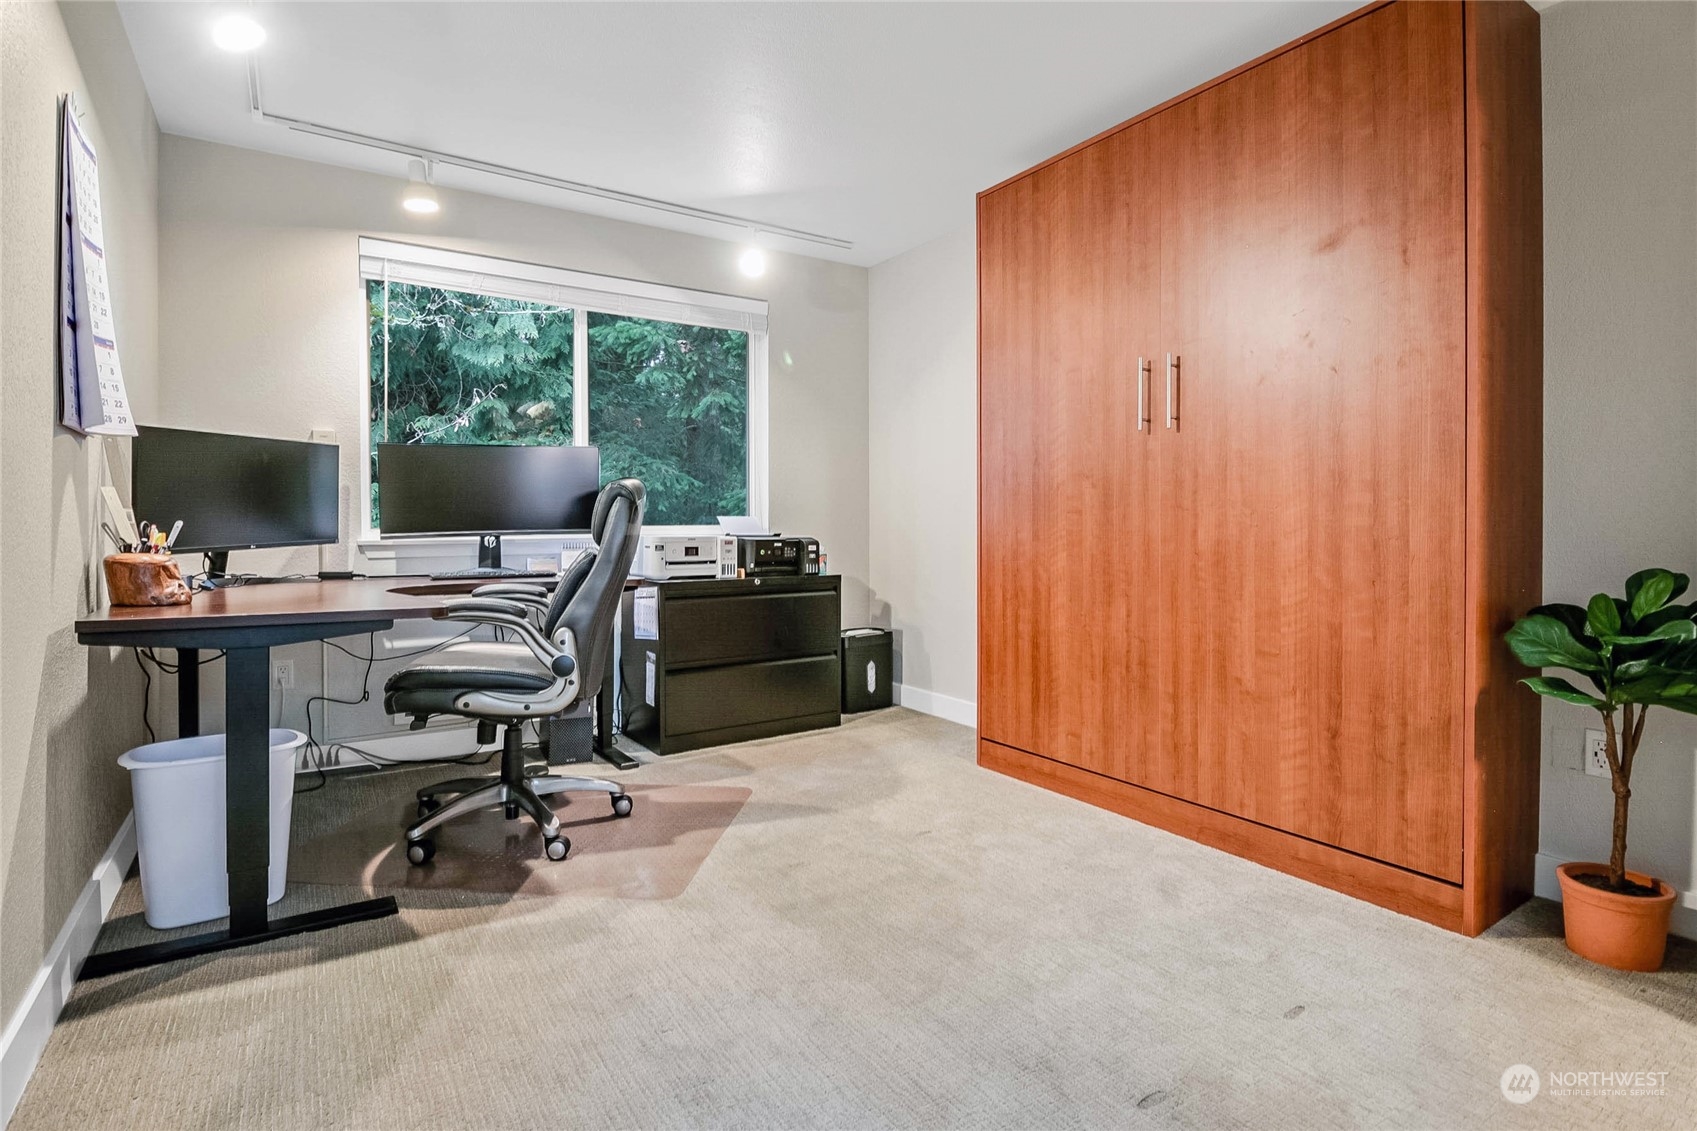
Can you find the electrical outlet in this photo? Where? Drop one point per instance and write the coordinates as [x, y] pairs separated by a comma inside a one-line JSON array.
[[283, 675], [1596, 757]]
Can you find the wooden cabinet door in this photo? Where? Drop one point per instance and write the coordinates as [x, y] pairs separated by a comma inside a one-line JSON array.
[[1016, 644], [1058, 386], [1125, 558], [1313, 261]]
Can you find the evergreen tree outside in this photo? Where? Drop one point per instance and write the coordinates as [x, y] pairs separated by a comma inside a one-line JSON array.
[[668, 402]]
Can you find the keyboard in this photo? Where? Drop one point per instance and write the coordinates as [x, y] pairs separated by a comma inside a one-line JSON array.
[[497, 573]]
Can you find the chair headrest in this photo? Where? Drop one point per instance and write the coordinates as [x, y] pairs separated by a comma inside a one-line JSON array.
[[631, 489]]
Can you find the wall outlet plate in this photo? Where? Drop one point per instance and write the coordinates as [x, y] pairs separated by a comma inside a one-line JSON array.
[[283, 675], [1596, 758]]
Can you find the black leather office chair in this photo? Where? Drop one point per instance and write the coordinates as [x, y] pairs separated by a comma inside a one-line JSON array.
[[557, 657]]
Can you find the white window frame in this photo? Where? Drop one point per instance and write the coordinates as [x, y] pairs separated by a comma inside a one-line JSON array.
[[584, 293]]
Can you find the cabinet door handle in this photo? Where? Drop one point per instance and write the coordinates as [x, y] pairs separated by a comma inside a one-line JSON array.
[[1144, 368], [1172, 390]]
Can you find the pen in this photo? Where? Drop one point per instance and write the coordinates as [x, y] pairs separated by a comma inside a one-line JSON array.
[[176, 527]]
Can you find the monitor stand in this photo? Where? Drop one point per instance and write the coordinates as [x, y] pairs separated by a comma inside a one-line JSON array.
[[218, 575], [218, 569], [489, 551]]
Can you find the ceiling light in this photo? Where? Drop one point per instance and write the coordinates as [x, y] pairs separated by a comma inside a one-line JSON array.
[[752, 262], [237, 33], [420, 196]]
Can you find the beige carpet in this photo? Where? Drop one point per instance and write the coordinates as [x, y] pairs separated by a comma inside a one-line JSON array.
[[349, 834], [886, 936]]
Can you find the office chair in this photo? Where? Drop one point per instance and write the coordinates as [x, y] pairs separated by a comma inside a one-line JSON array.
[[557, 656]]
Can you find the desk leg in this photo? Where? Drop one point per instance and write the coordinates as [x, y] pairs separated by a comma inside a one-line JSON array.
[[603, 743], [188, 692], [247, 809], [247, 784]]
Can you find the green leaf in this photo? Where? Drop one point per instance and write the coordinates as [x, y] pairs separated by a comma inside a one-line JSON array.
[[1673, 630], [1561, 689], [1571, 615], [1632, 669], [1655, 588], [1602, 618], [1666, 613], [1545, 642], [1685, 703], [1645, 689]]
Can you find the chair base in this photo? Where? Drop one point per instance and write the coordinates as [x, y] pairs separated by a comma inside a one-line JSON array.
[[516, 790]]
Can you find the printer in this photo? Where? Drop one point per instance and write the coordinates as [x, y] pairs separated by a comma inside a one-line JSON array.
[[667, 556]]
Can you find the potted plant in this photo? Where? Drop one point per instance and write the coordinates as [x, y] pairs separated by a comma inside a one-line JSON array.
[[1636, 653]]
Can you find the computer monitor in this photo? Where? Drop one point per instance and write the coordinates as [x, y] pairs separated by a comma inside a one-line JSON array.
[[486, 490], [235, 492]]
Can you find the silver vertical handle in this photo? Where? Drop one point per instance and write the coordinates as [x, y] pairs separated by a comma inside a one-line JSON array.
[[1172, 382], [1144, 368]]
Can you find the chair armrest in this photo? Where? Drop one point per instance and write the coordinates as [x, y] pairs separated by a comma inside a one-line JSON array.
[[499, 606], [532, 597], [511, 590], [512, 615]]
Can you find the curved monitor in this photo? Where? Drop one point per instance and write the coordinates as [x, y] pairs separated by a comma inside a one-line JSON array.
[[486, 488]]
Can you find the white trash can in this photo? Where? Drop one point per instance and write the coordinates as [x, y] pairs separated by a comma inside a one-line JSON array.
[[178, 787]]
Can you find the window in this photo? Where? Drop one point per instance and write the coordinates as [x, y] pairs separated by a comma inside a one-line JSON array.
[[668, 404], [668, 383]]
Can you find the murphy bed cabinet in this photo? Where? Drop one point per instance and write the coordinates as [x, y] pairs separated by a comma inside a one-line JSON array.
[[1260, 461]]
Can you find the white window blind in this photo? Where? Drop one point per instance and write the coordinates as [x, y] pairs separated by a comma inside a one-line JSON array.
[[579, 290]]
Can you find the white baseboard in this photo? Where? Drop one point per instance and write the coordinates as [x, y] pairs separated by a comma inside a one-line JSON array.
[[962, 711], [1544, 883], [28, 1029]]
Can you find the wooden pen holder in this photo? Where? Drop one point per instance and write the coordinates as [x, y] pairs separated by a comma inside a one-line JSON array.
[[146, 579]]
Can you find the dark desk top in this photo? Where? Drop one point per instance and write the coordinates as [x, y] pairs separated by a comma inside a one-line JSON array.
[[284, 603]]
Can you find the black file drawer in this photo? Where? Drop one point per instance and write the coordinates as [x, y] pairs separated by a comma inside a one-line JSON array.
[[728, 660], [721, 698], [765, 626]]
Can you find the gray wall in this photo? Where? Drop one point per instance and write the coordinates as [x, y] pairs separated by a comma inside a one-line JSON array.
[[1620, 382], [1620, 441], [66, 712], [262, 330], [924, 463]]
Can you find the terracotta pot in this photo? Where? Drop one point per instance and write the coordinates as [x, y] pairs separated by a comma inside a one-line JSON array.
[[1628, 932]]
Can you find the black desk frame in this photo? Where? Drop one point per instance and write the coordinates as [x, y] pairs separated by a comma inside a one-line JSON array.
[[247, 784]]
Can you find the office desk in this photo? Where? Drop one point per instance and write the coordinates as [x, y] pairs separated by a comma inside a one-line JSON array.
[[246, 622]]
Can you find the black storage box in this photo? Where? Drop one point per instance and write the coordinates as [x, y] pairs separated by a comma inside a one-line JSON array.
[[868, 672]]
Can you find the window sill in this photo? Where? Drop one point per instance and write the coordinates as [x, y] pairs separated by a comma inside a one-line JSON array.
[[375, 548]]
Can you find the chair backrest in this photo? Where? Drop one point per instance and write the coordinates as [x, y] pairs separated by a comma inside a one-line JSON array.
[[571, 579], [592, 602]]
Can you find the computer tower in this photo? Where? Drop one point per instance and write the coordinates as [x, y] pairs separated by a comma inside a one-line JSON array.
[[568, 738]]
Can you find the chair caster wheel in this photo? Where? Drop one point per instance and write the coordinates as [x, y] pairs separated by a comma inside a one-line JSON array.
[[427, 806], [556, 847], [621, 805], [511, 811], [420, 851]]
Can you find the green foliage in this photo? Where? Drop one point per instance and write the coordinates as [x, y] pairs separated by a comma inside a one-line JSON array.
[[668, 402], [1637, 651]]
